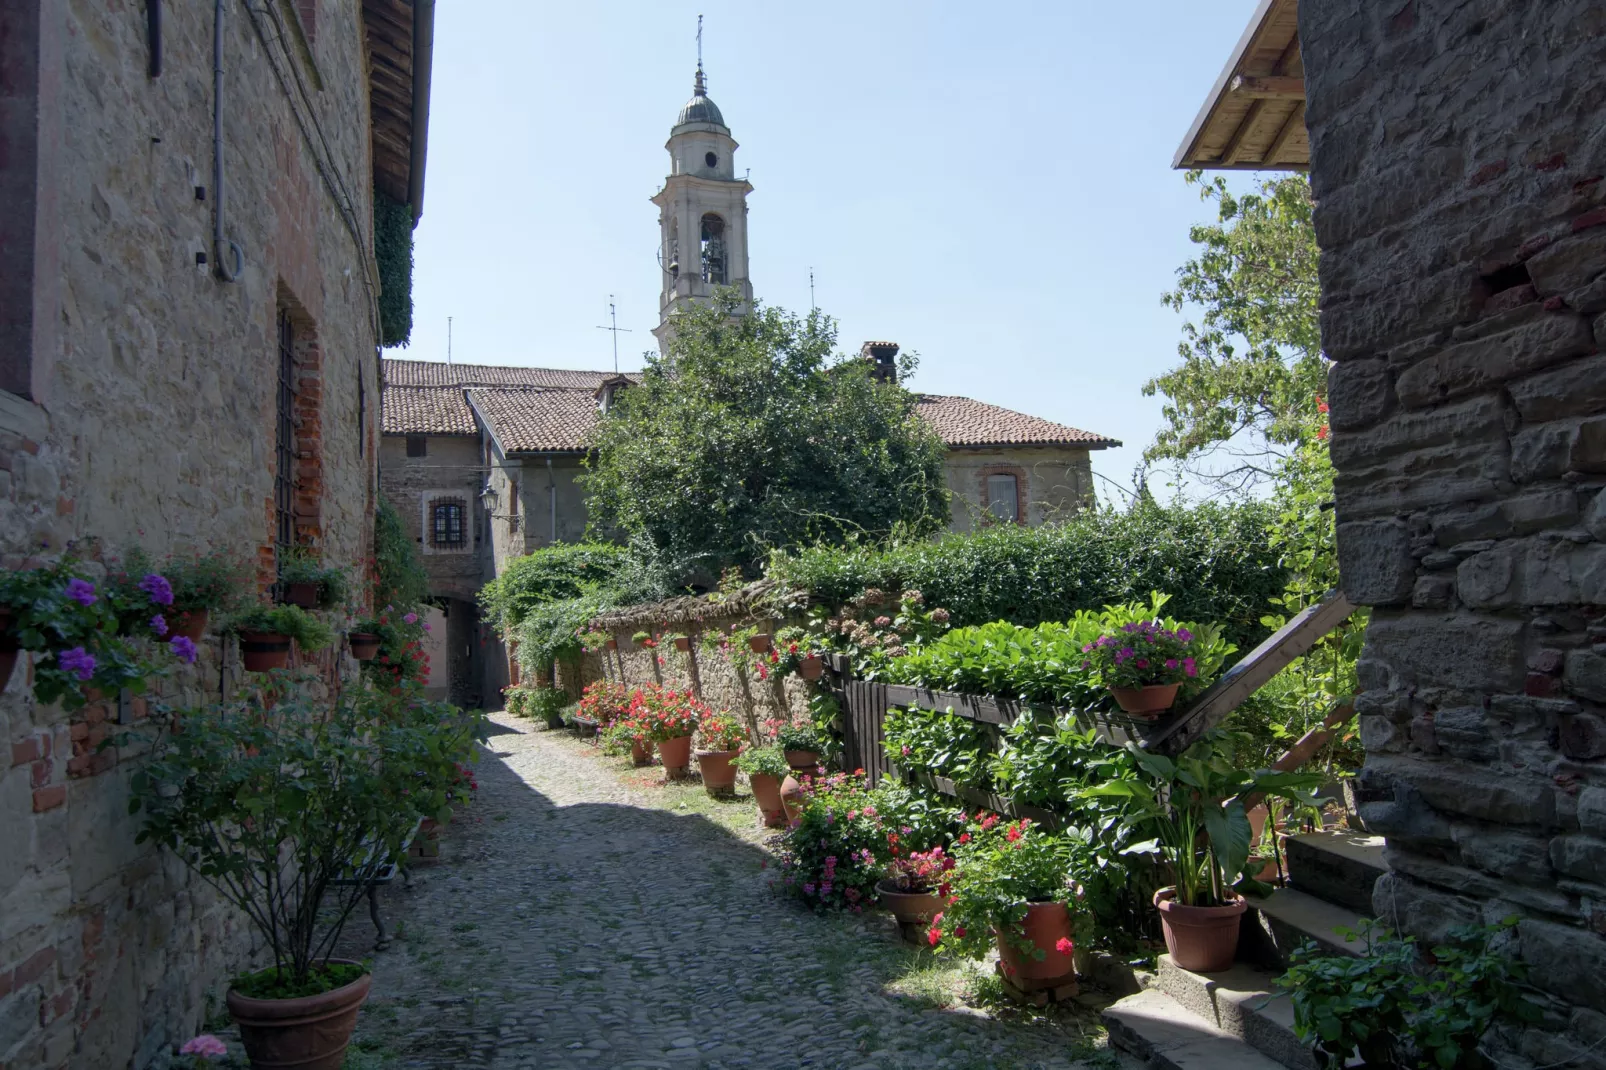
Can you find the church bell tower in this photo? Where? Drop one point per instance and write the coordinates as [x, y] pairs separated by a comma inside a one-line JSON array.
[[702, 211]]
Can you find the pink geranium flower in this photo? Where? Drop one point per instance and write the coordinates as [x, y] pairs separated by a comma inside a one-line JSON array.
[[206, 1046]]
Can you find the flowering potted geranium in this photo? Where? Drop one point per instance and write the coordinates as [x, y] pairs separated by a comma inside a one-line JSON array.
[[626, 734], [721, 737], [799, 651], [915, 886], [1143, 664], [836, 849], [765, 768], [1010, 887], [669, 719]]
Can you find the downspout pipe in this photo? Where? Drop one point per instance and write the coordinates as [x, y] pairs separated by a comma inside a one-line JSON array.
[[552, 499], [227, 255], [423, 57], [153, 30]]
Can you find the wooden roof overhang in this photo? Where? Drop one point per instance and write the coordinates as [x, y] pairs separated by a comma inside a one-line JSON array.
[[400, 43], [1254, 118]]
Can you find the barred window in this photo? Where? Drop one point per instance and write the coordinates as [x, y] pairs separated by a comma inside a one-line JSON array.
[[447, 524]]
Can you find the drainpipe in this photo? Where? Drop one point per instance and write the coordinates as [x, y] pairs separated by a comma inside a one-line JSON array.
[[153, 29], [552, 499], [223, 249]]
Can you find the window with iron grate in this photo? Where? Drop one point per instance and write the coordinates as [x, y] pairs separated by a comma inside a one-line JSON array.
[[447, 527]]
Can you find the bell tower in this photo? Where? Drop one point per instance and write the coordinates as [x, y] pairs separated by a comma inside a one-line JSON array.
[[702, 210]]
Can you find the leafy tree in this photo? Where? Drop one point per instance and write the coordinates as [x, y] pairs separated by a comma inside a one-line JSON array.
[[1252, 368], [750, 435]]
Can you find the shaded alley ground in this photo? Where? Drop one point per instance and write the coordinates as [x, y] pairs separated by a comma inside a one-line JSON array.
[[584, 914]]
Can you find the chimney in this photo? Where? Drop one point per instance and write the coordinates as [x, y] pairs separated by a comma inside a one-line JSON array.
[[884, 355]]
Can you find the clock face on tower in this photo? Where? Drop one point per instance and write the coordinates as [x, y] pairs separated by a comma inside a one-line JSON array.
[[711, 159]]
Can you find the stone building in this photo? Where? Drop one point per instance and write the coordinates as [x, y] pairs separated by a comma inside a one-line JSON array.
[[189, 361], [1456, 153]]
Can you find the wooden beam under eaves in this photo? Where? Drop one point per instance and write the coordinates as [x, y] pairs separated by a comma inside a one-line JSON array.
[[1269, 87]]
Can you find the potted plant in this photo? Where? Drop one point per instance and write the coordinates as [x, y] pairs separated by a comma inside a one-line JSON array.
[[836, 849], [202, 584], [669, 719], [801, 652], [801, 742], [681, 640], [272, 801], [721, 736], [1191, 808], [1011, 887], [364, 639], [765, 768], [266, 632], [759, 643], [1144, 664], [306, 582], [625, 735], [915, 886], [644, 640]]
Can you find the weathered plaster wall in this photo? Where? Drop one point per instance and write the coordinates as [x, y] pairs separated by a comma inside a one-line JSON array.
[[1458, 150], [1057, 482], [542, 486], [152, 421], [451, 468]]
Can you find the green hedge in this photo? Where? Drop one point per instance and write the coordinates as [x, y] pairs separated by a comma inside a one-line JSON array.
[[1214, 560], [551, 574], [393, 253]]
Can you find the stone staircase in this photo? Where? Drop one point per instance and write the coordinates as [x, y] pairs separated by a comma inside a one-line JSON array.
[[1237, 1019]]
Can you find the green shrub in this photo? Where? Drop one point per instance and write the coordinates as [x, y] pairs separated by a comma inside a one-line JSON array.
[[551, 574], [1216, 560], [943, 744], [393, 254], [399, 577]]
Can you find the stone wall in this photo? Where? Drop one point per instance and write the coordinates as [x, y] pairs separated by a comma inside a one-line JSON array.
[[451, 469], [1053, 482], [142, 409], [1458, 150]]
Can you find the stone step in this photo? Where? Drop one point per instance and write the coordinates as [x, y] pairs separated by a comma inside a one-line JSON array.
[[1242, 1002], [1277, 924], [1337, 865], [1167, 1036]]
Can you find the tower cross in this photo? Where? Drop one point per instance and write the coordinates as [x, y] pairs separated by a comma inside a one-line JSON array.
[[614, 329]]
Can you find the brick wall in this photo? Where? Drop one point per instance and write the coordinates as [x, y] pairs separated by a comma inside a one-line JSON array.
[[148, 417], [1458, 150]]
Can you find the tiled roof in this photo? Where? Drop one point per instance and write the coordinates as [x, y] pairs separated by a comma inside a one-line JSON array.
[[411, 410], [530, 419], [438, 373], [967, 422]]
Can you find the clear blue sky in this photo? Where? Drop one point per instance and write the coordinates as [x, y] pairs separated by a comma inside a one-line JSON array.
[[989, 186]]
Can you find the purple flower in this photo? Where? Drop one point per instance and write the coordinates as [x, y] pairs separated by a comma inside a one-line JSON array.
[[1125, 652], [158, 588], [411, 618], [1171, 663], [77, 661], [808, 889], [183, 648], [426, 625], [1188, 667], [1185, 635], [159, 624], [82, 592], [206, 1046]]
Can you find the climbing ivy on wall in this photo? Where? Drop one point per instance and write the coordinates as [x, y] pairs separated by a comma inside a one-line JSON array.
[[393, 249]]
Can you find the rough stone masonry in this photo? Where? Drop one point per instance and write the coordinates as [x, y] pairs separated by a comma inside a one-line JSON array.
[[1459, 169]]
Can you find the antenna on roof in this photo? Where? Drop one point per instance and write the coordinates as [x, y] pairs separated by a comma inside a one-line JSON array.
[[702, 86], [812, 306], [448, 341], [613, 320]]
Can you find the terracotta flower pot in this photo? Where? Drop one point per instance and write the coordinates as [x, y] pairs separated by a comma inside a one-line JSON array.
[[612, 644], [767, 794], [9, 647], [758, 644], [676, 755], [1146, 702], [262, 651], [304, 595], [811, 668], [803, 761], [308, 1033], [791, 797], [1046, 924], [364, 645], [910, 908], [640, 753], [190, 623], [683, 644], [719, 775], [1201, 939]]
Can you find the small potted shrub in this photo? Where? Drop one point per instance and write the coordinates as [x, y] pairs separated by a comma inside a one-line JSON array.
[[801, 742], [221, 796], [627, 735], [915, 886], [307, 583], [1192, 808], [266, 633], [203, 584], [1144, 664], [765, 768], [681, 641], [364, 639], [721, 736]]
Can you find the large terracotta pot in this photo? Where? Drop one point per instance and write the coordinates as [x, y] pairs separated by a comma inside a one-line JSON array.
[[791, 797], [304, 595], [767, 794], [1046, 924], [676, 755], [640, 753], [262, 651], [364, 645], [1201, 939], [910, 908], [1146, 702], [803, 761], [9, 647], [719, 775], [811, 668], [190, 623], [309, 1033]]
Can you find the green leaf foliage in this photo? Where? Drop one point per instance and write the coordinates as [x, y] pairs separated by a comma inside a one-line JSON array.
[[750, 435], [393, 253], [399, 577], [550, 574], [1215, 559]]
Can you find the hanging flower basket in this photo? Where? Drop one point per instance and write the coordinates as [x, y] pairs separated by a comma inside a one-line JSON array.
[[758, 644], [364, 645], [304, 595], [190, 623], [811, 667], [262, 651]]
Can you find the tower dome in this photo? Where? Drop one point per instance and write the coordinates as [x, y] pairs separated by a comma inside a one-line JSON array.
[[699, 109]]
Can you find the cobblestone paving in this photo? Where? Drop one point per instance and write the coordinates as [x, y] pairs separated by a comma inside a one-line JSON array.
[[581, 916]]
